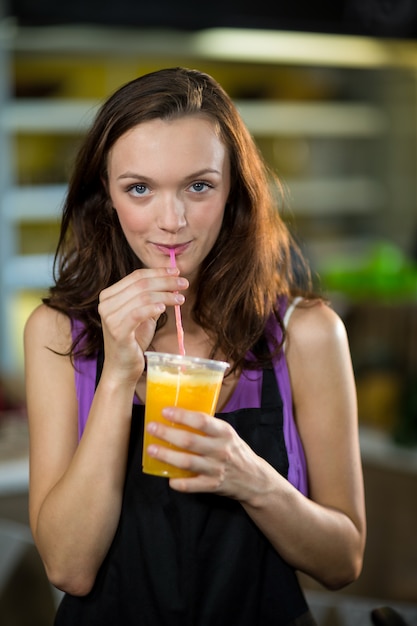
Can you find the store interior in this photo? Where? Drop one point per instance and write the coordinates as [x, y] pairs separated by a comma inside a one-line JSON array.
[[332, 105]]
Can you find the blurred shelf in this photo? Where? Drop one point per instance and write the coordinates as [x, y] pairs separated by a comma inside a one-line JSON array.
[[378, 448], [317, 119], [14, 476], [47, 116], [31, 271], [33, 203], [238, 45], [336, 195], [331, 119]]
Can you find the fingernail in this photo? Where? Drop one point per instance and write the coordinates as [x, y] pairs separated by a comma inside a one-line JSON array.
[[152, 450]]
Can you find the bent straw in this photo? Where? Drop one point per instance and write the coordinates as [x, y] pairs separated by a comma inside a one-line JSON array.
[[180, 330]]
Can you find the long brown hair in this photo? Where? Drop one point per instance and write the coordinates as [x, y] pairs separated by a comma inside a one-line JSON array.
[[252, 261]]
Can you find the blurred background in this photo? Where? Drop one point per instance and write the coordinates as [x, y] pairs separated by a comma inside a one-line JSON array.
[[328, 90]]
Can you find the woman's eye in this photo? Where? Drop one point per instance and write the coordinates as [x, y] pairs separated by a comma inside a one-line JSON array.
[[199, 186], [138, 190]]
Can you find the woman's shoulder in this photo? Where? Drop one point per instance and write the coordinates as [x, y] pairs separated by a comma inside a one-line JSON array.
[[49, 327], [315, 325]]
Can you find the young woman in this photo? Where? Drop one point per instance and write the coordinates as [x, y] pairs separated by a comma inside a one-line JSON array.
[[168, 164]]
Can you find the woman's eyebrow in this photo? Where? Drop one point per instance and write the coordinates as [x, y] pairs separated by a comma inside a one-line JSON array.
[[130, 175], [197, 174]]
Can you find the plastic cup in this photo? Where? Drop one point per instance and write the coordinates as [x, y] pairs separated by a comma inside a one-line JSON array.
[[182, 381]]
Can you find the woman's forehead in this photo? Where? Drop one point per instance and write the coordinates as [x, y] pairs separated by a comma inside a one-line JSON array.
[[188, 143]]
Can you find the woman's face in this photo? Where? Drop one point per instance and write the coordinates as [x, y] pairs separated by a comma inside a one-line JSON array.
[[169, 182]]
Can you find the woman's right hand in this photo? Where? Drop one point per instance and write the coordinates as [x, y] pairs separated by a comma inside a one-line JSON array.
[[129, 311]]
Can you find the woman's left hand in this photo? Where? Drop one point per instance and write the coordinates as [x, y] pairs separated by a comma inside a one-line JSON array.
[[222, 462]]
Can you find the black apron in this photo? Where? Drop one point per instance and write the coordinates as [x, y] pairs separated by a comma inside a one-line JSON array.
[[193, 559]]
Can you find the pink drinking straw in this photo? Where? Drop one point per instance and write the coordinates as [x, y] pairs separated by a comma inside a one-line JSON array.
[[180, 330]]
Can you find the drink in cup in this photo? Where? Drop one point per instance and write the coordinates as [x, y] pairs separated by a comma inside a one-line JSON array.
[[182, 381]]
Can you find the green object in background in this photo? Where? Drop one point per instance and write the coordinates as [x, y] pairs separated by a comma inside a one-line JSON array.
[[384, 275]]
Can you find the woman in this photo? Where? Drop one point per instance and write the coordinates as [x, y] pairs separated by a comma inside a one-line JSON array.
[[168, 164]]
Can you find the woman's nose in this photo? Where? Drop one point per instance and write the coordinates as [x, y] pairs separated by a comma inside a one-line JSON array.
[[171, 214]]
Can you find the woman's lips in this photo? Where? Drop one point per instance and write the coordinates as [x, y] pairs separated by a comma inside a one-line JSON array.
[[179, 248]]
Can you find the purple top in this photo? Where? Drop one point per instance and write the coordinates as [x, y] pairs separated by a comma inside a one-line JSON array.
[[247, 394]]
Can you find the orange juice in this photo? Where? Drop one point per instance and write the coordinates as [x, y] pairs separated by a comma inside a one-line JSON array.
[[189, 383]]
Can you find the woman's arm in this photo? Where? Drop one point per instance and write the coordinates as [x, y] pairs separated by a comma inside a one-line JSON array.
[[76, 489], [323, 535]]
